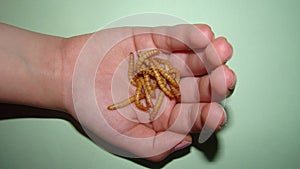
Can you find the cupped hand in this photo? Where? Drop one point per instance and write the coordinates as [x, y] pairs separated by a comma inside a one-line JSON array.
[[205, 81]]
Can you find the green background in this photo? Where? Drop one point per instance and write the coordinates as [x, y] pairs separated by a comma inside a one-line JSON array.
[[263, 128]]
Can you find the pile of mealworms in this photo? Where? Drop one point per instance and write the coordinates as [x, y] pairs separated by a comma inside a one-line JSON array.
[[148, 74]]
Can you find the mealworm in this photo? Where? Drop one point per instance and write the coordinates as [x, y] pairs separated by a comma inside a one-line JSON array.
[[165, 74], [121, 104], [124, 102], [166, 63], [137, 96], [147, 75], [157, 105], [147, 81], [176, 91], [168, 77], [144, 56], [160, 80], [176, 73], [161, 84], [131, 69], [147, 93]]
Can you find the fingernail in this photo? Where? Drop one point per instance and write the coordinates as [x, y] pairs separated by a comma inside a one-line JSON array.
[[232, 86], [182, 145], [223, 122], [224, 125]]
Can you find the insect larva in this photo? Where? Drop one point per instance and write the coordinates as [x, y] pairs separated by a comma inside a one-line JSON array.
[[147, 81], [149, 74], [175, 91], [124, 103], [160, 80], [157, 105], [131, 69], [164, 73], [144, 56], [166, 63], [162, 84], [121, 104], [147, 93], [168, 77], [176, 74], [137, 96]]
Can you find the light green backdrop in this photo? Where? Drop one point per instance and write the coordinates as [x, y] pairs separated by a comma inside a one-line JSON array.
[[263, 130]]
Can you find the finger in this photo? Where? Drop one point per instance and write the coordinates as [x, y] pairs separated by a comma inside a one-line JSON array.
[[215, 86], [217, 53], [191, 117], [173, 38]]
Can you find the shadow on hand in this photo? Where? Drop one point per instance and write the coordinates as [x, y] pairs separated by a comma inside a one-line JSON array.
[[11, 111]]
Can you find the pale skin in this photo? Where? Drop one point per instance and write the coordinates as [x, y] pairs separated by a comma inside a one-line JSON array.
[[37, 69]]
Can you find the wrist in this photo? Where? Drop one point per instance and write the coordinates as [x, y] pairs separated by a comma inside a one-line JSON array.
[[71, 50]]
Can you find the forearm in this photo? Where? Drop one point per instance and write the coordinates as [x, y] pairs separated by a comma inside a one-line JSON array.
[[30, 68]]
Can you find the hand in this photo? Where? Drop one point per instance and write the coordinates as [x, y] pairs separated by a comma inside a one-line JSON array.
[[208, 82]]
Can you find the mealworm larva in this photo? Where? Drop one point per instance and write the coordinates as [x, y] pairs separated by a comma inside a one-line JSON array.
[[162, 84], [175, 91], [165, 74], [147, 81], [147, 74], [160, 80], [166, 63], [124, 102], [168, 77], [144, 56], [157, 105], [121, 104], [137, 96], [176, 73], [131, 69], [147, 93], [153, 84]]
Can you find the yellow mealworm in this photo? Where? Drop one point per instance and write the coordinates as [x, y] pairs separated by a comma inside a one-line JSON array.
[[121, 104], [151, 73], [175, 91], [147, 93], [124, 103], [165, 74], [162, 84], [153, 87], [168, 77], [147, 81], [157, 105], [131, 69], [146, 63], [137, 96], [160, 79], [176, 73], [144, 56], [166, 63]]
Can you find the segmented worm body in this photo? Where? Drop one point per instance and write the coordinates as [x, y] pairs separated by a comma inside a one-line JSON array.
[[131, 69], [144, 56], [157, 105], [138, 93], [148, 74], [124, 103]]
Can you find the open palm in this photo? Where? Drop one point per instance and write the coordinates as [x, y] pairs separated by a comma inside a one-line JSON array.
[[205, 80]]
